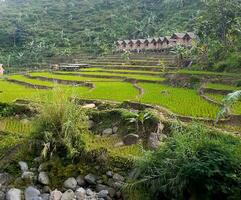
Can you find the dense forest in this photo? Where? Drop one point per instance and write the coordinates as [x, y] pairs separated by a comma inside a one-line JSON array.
[[63, 27], [32, 30]]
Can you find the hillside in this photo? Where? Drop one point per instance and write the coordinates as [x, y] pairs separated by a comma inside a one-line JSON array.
[[64, 27]]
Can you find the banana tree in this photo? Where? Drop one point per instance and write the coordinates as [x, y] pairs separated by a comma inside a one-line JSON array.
[[228, 101]]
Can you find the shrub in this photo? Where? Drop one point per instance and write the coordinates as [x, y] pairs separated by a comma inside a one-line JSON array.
[[193, 164], [60, 126], [231, 63]]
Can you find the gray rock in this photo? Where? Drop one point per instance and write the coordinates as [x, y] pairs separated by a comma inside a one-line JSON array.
[[70, 183], [118, 185], [111, 191], [32, 193], [89, 106], [4, 178], [43, 178], [109, 174], [118, 178], [80, 194], [14, 194], [2, 195], [103, 194], [89, 192], [91, 179], [23, 166], [100, 187], [80, 180], [153, 141], [45, 196], [27, 176], [115, 129], [55, 195], [68, 195], [131, 139], [107, 132], [46, 189]]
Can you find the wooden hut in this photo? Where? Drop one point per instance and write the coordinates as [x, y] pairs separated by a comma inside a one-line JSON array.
[[165, 42], [159, 43], [189, 38], [119, 45], [178, 37]]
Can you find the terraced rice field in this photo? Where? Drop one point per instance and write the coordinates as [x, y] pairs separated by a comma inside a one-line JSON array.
[[134, 83]]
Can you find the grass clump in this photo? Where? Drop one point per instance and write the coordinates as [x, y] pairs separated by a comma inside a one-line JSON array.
[[193, 164], [60, 126]]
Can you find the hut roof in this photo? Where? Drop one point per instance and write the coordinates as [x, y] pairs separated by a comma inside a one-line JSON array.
[[141, 41], [178, 35], [192, 35], [119, 42], [166, 38], [149, 40], [160, 39], [130, 42]]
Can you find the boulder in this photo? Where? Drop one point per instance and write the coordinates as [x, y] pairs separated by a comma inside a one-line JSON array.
[[89, 106], [32, 193], [91, 179], [118, 178], [46, 189], [100, 187], [2, 195], [43, 178], [80, 180], [153, 141], [45, 196], [23, 166], [89, 192], [70, 183], [80, 194], [109, 174], [55, 195], [27, 176], [131, 139], [68, 195], [4, 178], [115, 129], [107, 132], [103, 194], [14, 194]]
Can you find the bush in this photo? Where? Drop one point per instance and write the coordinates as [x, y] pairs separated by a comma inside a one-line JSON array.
[[60, 126], [231, 63], [7, 110], [193, 164]]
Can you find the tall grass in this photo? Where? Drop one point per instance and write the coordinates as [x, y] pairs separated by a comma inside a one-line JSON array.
[[60, 126], [193, 164]]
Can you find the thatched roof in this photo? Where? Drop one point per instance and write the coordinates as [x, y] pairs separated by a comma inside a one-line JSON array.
[[166, 38], [192, 35], [178, 35]]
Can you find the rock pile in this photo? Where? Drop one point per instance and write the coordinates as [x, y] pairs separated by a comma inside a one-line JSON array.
[[37, 186]]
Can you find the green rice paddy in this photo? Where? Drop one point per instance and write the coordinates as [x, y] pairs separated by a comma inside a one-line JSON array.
[[110, 84]]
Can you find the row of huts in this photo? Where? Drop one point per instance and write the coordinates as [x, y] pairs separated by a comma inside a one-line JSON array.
[[157, 44]]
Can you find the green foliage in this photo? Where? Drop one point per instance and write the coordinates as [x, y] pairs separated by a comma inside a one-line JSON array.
[[218, 27], [60, 126], [7, 110], [193, 164], [32, 31], [228, 101]]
